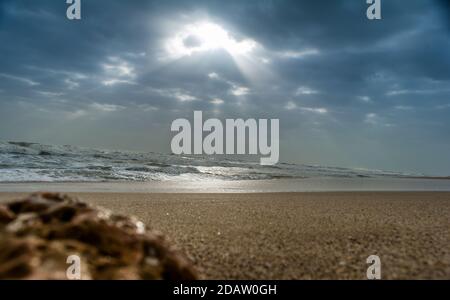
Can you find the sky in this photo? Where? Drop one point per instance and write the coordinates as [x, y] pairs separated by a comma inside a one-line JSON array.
[[348, 91]]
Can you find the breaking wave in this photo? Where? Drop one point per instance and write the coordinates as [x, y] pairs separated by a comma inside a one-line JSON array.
[[33, 162]]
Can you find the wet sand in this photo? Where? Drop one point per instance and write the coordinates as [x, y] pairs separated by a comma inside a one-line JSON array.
[[298, 235], [292, 185]]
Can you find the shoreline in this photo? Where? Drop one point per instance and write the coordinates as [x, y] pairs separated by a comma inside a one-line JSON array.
[[325, 184], [324, 235]]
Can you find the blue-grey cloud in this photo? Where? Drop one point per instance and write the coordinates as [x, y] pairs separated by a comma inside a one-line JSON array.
[[348, 91]]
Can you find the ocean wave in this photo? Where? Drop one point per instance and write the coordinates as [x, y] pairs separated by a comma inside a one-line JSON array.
[[33, 162]]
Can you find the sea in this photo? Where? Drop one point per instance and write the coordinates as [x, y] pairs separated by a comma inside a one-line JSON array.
[[34, 162]]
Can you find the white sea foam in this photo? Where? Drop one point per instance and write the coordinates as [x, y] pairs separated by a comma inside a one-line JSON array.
[[32, 162]]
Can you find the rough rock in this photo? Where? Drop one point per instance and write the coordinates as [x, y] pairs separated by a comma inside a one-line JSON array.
[[39, 233]]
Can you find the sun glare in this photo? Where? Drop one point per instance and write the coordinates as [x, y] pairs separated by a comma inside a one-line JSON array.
[[206, 36]]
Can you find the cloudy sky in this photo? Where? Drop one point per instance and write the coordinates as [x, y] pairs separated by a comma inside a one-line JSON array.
[[348, 91]]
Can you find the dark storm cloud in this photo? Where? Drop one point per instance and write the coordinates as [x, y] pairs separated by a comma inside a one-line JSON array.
[[348, 91]]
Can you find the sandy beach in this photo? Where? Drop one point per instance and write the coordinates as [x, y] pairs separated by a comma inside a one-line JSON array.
[[297, 235]]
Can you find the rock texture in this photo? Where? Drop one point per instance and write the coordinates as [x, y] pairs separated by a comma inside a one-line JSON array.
[[39, 233]]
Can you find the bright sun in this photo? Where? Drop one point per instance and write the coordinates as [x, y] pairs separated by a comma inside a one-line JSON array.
[[206, 36]]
